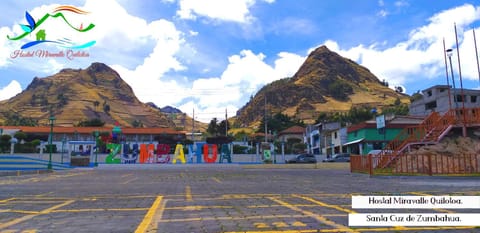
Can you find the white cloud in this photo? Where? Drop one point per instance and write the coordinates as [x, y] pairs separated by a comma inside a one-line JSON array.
[[421, 55], [245, 74], [401, 3], [382, 13], [232, 10], [10, 90]]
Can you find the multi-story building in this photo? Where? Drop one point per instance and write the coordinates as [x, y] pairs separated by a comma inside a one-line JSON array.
[[441, 98], [364, 137], [321, 138]]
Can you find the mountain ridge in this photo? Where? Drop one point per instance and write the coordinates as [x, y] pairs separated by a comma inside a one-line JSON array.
[[326, 82], [76, 95]]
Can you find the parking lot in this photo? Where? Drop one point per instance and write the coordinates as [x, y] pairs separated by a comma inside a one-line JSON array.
[[209, 198]]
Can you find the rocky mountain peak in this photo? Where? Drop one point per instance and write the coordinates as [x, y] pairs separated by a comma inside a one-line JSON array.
[[326, 82]]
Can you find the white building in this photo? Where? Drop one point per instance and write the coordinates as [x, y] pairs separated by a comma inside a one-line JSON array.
[[326, 138], [437, 99]]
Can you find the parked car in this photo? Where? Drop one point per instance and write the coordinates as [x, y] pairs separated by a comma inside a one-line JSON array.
[[376, 152], [303, 158], [343, 157]]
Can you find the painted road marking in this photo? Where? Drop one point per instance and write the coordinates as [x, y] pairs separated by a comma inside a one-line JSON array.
[[260, 225], [28, 217], [43, 194], [188, 193], [216, 180], [7, 200], [299, 224], [147, 220], [323, 204], [280, 224], [99, 210], [231, 218], [154, 214], [356, 229], [20, 231], [319, 218]]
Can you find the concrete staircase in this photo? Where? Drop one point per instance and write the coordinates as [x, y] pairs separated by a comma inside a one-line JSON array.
[[432, 129]]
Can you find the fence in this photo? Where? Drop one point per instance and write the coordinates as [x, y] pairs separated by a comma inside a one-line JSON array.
[[424, 164]]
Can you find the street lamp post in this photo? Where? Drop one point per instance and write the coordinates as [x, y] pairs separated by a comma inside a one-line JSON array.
[[446, 74], [52, 120], [96, 148], [449, 55]]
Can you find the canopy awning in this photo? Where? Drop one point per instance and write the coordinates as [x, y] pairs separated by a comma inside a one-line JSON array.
[[354, 142]]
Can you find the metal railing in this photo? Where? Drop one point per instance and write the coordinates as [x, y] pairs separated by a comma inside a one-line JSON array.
[[419, 164]]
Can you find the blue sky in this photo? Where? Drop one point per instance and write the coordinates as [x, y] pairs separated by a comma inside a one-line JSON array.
[[212, 55]]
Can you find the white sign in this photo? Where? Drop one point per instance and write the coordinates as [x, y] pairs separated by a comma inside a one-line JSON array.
[[416, 202], [380, 121], [413, 219]]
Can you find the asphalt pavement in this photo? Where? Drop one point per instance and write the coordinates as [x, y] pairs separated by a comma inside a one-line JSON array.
[[209, 198]]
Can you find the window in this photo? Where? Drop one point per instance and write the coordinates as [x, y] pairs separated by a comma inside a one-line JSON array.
[[335, 135], [459, 98], [431, 105], [429, 93], [473, 98]]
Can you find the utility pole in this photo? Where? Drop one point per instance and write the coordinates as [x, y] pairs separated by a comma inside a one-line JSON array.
[[265, 116], [464, 128], [476, 53], [226, 123], [193, 125]]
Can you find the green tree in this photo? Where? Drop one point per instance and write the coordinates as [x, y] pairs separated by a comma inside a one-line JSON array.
[[213, 127], [95, 122], [401, 109], [5, 142], [62, 100], [96, 104], [19, 135], [340, 89], [137, 124], [416, 96], [15, 119], [278, 122], [397, 102], [221, 128]]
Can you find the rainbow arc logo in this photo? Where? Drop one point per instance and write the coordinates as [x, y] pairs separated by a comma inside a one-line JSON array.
[[41, 34]]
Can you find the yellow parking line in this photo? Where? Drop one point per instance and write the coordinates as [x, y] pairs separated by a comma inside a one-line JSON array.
[[216, 180], [272, 206], [319, 218], [188, 193], [147, 220], [199, 207], [325, 204], [27, 217], [99, 210], [231, 218], [43, 194], [23, 211], [412, 228], [357, 229], [7, 200]]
